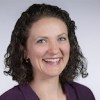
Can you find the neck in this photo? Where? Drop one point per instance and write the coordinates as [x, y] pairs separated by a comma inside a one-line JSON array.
[[46, 87]]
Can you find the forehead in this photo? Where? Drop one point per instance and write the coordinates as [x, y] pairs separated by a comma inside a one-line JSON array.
[[48, 25]]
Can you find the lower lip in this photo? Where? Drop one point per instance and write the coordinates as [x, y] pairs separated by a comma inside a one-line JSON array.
[[52, 63]]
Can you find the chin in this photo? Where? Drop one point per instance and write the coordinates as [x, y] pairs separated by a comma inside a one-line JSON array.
[[54, 73]]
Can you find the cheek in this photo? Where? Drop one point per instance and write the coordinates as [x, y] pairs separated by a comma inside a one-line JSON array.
[[36, 55], [37, 52], [65, 49]]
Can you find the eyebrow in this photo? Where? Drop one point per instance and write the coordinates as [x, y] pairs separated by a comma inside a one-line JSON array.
[[47, 37], [62, 34]]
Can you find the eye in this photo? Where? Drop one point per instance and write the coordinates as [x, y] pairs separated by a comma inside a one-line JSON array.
[[62, 39], [41, 41]]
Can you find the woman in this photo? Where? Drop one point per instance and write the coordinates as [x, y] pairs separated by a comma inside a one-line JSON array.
[[44, 57]]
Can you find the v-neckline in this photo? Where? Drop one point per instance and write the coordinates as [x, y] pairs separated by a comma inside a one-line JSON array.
[[29, 93]]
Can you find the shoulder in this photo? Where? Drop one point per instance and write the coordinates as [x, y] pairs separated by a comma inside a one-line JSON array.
[[82, 92], [12, 94], [80, 87]]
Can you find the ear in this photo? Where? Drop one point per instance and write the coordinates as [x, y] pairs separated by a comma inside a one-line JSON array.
[[25, 54]]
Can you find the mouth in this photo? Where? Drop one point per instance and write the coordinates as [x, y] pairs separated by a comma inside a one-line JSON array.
[[52, 61]]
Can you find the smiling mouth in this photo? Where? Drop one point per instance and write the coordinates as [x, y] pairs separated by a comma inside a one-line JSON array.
[[52, 60]]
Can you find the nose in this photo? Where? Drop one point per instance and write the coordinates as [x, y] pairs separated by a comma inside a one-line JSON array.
[[53, 48]]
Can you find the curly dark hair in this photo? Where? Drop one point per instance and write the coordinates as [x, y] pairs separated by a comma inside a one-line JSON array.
[[19, 69]]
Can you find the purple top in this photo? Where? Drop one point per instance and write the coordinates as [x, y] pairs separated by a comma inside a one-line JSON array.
[[74, 91]]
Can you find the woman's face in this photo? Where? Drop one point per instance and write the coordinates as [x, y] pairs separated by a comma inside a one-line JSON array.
[[48, 47]]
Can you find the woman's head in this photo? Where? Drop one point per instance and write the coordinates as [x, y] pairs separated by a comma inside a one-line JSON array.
[[16, 55], [48, 47]]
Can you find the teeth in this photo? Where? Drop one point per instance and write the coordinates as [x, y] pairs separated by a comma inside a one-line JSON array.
[[52, 60]]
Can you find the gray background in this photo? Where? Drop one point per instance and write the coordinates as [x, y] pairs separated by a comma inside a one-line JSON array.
[[86, 14]]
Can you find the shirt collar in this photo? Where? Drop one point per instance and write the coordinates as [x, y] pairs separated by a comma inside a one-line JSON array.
[[28, 93], [70, 92]]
